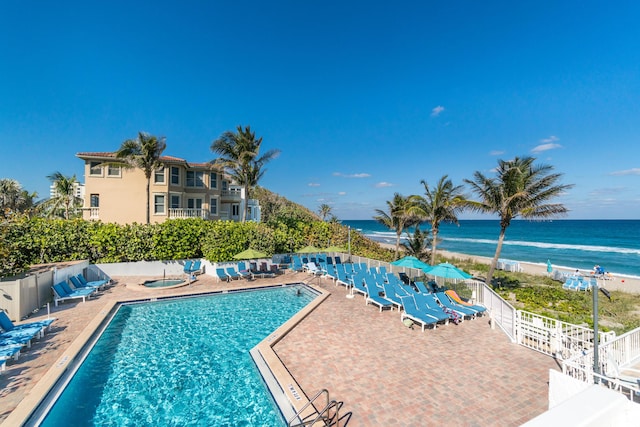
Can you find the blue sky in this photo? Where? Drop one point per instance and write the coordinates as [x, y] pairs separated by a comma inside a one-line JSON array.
[[364, 99]]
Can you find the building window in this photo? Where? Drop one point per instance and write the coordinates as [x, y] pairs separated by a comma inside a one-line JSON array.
[[95, 168], [213, 206], [225, 185], [195, 179], [95, 201], [175, 175], [113, 170], [214, 180], [194, 203], [235, 210], [158, 176], [158, 204], [175, 201]]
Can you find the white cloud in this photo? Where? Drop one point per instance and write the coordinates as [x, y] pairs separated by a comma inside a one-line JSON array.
[[313, 184], [354, 175], [342, 193], [496, 153], [435, 112], [634, 171], [383, 184], [547, 144]]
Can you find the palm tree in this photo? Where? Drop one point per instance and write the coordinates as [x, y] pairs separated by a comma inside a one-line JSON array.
[[14, 199], [239, 153], [416, 244], [398, 217], [144, 153], [519, 189], [64, 194], [441, 203], [324, 210]]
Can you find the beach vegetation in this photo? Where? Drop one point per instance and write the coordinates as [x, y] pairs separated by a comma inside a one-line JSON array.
[[417, 245], [143, 153], [519, 189], [441, 203], [398, 217], [240, 157], [64, 202]]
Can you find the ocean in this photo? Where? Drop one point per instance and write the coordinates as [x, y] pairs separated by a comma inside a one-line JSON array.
[[568, 244]]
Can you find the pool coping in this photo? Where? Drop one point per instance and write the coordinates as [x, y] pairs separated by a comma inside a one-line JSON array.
[[28, 407]]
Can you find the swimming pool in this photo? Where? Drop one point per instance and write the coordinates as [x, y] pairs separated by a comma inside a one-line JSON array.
[[182, 361]]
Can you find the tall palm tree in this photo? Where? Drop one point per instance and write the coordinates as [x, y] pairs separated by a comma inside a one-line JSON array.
[[324, 210], [144, 153], [64, 194], [520, 188], [398, 218], [441, 203], [240, 157]]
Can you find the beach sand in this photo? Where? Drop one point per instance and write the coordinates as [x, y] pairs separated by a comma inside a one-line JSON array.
[[616, 283]]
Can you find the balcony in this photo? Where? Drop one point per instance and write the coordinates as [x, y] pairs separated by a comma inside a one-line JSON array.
[[188, 213], [94, 213], [231, 195]]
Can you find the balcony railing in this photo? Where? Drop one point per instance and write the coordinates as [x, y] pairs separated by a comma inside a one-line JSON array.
[[188, 213], [232, 194], [94, 213]]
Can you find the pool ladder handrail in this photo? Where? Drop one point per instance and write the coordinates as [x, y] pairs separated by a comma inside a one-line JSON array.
[[320, 416]]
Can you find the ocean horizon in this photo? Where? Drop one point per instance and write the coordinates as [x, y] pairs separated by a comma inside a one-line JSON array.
[[568, 244]]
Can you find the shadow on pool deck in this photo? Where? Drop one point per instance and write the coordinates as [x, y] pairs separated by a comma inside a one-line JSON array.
[[386, 373]]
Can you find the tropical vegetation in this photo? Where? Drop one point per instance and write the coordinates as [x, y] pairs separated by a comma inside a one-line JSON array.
[[14, 199], [397, 218], [64, 201]]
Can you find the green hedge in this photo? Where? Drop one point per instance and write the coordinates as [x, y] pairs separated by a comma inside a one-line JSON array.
[[25, 241]]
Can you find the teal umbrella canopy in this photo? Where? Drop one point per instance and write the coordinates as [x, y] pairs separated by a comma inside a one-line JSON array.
[[447, 271], [250, 254], [411, 262]]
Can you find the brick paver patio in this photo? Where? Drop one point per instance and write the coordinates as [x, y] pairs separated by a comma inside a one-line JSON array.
[[386, 373]]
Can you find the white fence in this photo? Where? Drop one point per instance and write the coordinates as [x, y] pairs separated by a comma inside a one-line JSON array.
[[613, 357]]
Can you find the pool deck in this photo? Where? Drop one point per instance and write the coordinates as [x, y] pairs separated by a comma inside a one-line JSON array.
[[384, 372]]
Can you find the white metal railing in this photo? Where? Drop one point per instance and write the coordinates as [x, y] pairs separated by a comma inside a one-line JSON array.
[[188, 213], [502, 313], [555, 337], [614, 356]]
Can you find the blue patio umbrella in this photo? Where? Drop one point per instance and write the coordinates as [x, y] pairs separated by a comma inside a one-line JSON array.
[[410, 262], [446, 271]]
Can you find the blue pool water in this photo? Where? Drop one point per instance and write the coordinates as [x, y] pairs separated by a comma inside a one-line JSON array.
[[180, 362]]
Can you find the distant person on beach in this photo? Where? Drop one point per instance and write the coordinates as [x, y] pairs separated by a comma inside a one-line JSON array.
[[577, 273]]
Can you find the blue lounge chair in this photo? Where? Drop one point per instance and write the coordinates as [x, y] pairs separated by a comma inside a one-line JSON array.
[[373, 296], [427, 304], [7, 352], [94, 283], [222, 275], [411, 311], [391, 295], [62, 292], [232, 273], [75, 281], [187, 266], [196, 267], [358, 284], [7, 325], [463, 311]]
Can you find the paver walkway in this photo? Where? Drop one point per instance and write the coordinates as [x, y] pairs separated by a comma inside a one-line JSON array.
[[386, 373]]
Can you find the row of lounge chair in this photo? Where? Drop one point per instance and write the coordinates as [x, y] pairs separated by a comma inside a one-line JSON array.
[[579, 283], [13, 338], [193, 267], [241, 271], [424, 304], [82, 289]]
